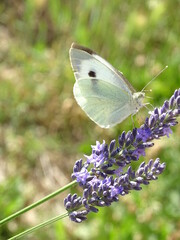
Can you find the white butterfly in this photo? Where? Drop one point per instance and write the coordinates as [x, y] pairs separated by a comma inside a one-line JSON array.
[[102, 91]]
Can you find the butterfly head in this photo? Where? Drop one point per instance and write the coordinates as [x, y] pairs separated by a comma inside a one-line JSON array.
[[138, 98]]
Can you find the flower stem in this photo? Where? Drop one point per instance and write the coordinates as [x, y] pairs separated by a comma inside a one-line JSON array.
[[37, 203], [33, 229]]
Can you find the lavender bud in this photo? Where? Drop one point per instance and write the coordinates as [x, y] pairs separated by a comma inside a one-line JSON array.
[[112, 145], [128, 135], [93, 209], [151, 121], [134, 132], [139, 179], [178, 101], [162, 117], [150, 163], [166, 105], [122, 138], [142, 165], [156, 112], [171, 101], [176, 93], [156, 163], [127, 143], [140, 171], [115, 152]]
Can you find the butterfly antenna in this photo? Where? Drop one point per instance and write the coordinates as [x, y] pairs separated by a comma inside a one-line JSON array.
[[154, 77]]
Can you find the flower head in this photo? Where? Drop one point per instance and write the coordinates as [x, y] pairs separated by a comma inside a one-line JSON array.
[[104, 175]]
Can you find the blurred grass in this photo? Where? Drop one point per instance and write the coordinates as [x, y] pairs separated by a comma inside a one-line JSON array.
[[43, 131]]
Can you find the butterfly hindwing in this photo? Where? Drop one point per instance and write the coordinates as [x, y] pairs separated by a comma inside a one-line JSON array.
[[103, 102]]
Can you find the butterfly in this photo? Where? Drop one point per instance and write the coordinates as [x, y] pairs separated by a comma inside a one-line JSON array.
[[103, 93]]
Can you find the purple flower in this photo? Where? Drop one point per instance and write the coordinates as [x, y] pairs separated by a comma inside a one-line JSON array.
[[104, 176], [167, 131], [82, 175], [116, 190], [99, 154], [139, 152], [143, 133]]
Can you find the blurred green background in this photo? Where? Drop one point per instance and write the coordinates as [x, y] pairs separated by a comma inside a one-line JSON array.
[[43, 130]]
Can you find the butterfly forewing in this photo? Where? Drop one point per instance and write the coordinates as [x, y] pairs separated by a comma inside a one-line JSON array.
[[85, 62]]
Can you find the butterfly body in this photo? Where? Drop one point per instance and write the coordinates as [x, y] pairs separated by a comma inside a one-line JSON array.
[[101, 90]]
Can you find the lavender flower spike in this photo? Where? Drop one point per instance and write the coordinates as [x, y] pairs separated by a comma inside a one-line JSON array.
[[103, 177]]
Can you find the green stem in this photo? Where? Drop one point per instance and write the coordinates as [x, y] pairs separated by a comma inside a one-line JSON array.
[[33, 229], [37, 203]]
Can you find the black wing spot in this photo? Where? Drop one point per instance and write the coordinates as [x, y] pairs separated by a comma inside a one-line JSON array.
[[92, 74]]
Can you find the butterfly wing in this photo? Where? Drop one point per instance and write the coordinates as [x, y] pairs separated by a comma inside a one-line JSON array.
[[100, 90], [87, 63], [103, 102]]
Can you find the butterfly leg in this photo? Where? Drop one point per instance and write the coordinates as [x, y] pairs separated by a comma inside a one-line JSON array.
[[132, 115], [145, 105]]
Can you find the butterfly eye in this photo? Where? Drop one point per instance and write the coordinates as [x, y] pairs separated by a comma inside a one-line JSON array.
[[92, 74]]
